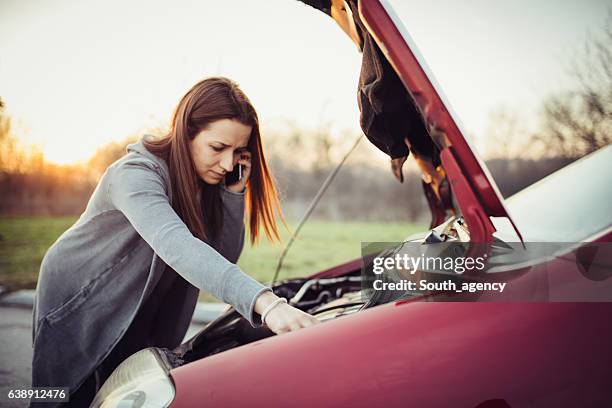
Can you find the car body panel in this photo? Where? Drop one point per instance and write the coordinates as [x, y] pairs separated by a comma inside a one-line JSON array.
[[416, 352], [419, 354]]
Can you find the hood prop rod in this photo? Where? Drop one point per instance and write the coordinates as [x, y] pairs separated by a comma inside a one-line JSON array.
[[311, 208]]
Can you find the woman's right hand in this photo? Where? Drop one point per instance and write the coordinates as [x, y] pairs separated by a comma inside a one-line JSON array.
[[286, 318], [283, 317]]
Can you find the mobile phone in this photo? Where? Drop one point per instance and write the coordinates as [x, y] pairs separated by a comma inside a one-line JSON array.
[[234, 176]]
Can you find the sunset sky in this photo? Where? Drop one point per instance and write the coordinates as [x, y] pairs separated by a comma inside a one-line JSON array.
[[78, 74]]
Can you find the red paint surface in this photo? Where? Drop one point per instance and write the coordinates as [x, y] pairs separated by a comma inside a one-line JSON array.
[[418, 354], [429, 354]]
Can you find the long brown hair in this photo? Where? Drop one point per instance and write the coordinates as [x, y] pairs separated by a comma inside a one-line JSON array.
[[198, 203]]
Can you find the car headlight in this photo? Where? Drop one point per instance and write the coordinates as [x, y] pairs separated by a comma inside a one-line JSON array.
[[140, 381]]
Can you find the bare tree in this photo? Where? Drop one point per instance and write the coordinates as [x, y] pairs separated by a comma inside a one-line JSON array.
[[106, 155], [7, 142], [323, 145], [578, 122], [505, 134]]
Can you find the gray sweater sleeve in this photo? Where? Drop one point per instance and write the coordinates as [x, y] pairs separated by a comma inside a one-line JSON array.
[[137, 190]]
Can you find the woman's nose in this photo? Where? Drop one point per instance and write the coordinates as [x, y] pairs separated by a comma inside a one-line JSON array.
[[227, 162]]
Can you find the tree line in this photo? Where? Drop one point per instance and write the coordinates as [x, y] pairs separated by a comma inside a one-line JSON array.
[[30, 186]]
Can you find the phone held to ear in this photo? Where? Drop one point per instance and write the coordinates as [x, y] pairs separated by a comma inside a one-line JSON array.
[[234, 176]]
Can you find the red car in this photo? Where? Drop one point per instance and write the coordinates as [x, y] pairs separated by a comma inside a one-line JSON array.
[[545, 342]]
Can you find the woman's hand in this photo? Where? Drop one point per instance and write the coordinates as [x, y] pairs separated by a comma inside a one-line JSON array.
[[283, 318], [245, 160], [286, 318]]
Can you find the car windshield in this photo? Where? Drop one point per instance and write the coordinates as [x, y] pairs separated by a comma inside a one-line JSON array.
[[570, 205]]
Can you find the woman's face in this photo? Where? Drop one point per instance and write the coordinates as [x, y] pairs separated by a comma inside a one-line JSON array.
[[216, 149]]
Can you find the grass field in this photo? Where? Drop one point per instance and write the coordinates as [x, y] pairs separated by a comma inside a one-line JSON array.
[[23, 242], [321, 244]]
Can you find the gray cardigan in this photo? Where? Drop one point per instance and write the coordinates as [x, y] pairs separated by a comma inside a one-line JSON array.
[[98, 274]]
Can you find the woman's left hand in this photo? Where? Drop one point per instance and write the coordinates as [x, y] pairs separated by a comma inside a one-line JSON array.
[[245, 160]]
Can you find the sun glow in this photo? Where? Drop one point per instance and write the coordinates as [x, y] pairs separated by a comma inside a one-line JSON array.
[[66, 154]]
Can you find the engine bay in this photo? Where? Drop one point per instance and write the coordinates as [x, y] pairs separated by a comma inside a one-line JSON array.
[[325, 298]]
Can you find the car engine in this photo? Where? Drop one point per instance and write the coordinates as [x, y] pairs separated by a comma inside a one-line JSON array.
[[325, 298]]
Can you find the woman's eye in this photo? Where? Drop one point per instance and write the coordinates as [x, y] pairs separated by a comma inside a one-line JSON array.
[[217, 148]]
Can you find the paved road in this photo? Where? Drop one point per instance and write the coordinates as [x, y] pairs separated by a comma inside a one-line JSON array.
[[16, 351]]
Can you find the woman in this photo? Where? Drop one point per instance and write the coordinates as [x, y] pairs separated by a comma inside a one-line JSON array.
[[160, 226]]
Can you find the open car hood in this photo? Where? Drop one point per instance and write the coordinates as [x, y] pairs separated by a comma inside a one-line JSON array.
[[456, 181]]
